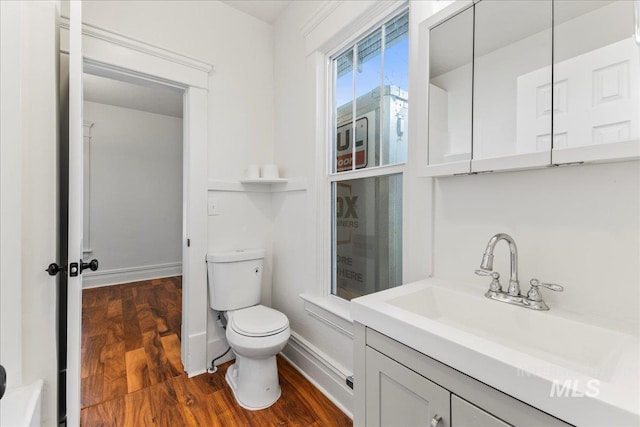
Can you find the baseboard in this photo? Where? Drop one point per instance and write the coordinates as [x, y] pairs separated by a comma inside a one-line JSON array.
[[215, 348], [117, 276], [195, 363], [323, 372]]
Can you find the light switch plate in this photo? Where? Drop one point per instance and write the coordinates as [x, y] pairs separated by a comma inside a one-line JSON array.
[[213, 208]]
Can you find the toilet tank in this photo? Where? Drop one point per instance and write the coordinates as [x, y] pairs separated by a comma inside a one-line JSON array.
[[235, 278]]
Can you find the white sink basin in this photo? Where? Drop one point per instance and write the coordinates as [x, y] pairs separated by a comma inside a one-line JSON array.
[[586, 348], [522, 352]]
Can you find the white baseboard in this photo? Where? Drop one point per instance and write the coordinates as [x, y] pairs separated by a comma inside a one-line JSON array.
[[116, 276], [195, 363], [215, 348], [323, 372]]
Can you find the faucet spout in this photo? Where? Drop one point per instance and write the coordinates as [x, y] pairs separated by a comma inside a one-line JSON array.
[[487, 260]]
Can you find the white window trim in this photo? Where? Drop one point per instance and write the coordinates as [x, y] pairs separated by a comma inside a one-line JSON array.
[[322, 304]]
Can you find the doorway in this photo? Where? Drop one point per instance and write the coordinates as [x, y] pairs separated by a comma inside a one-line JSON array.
[[132, 215], [100, 52]]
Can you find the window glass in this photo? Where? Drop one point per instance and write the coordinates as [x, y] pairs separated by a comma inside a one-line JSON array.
[[367, 229], [371, 81]]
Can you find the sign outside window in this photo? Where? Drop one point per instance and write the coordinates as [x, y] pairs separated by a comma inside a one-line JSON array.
[[344, 147]]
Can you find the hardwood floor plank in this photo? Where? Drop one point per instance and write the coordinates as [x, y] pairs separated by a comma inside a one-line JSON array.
[[137, 409], [90, 362], [106, 414], [115, 371], [145, 318], [165, 405], [137, 370], [171, 345], [160, 369], [132, 333], [114, 308], [194, 402], [91, 390], [161, 322]]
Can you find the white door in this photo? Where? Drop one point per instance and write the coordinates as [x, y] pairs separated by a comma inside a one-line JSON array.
[[75, 226]]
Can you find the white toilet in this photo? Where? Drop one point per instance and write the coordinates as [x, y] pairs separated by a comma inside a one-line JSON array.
[[255, 333]]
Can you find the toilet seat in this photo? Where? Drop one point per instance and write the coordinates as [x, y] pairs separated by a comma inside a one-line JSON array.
[[258, 321]]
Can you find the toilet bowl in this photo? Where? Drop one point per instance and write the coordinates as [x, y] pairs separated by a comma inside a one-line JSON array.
[[256, 334]]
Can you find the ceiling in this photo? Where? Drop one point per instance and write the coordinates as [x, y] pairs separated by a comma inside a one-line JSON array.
[[158, 100], [265, 10]]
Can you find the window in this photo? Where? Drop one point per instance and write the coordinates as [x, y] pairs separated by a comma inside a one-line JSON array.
[[368, 150]]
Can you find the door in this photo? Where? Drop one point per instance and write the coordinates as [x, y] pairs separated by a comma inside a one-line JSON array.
[[398, 396]]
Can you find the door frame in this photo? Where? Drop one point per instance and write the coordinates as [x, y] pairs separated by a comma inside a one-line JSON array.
[[110, 54]]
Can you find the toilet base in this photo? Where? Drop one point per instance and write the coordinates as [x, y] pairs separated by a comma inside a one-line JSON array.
[[254, 382]]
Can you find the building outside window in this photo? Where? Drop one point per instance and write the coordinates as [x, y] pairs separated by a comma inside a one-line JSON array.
[[370, 84]]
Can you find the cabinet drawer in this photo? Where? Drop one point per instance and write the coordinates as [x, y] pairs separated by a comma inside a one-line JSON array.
[[464, 414]]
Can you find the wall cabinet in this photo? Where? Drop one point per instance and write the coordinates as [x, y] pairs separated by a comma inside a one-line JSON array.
[[522, 84], [398, 386]]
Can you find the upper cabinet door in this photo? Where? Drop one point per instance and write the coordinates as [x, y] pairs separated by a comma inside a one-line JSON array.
[[450, 66], [512, 84], [596, 81]]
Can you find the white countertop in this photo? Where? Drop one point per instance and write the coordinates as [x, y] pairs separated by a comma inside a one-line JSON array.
[[583, 373]]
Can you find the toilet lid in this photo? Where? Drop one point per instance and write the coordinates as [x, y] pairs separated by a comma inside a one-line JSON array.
[[258, 321]]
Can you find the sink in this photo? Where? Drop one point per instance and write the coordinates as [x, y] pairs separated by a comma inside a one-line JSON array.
[[524, 353], [589, 349]]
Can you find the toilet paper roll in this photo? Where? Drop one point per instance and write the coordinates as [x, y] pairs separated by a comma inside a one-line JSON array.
[[269, 171], [252, 172]]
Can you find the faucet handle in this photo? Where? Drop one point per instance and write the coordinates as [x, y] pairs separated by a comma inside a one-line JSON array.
[[534, 292], [495, 285], [493, 274], [535, 282]]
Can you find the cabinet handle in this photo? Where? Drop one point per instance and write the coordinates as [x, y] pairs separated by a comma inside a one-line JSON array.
[[435, 421]]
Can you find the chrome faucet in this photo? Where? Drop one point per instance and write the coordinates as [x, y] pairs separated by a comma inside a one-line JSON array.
[[487, 261], [533, 299]]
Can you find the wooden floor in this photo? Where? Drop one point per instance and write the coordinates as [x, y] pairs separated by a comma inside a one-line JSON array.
[[132, 374]]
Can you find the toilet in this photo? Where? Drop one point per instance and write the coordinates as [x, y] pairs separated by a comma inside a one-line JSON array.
[[255, 333]]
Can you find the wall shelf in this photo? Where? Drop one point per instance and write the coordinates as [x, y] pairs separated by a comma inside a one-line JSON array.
[[258, 185]]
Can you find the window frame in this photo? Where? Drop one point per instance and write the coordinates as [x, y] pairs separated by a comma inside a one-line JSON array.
[[330, 177]]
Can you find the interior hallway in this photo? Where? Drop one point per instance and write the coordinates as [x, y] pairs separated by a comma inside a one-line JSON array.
[[132, 374]]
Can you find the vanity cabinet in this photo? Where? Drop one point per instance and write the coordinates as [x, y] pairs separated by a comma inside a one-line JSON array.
[[399, 386], [529, 84]]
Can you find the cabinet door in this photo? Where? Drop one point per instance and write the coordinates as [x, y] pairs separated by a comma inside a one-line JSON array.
[[596, 81], [512, 85], [450, 47], [464, 414], [397, 396]]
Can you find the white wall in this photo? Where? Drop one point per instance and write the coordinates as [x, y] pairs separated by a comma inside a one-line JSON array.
[[29, 242], [577, 226], [135, 220], [240, 100]]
